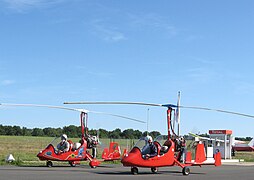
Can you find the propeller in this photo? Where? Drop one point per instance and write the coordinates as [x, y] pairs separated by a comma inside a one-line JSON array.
[[164, 105], [70, 109]]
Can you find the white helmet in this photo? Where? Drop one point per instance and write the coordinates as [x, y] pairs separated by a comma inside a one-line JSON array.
[[94, 138], [64, 137], [149, 138]]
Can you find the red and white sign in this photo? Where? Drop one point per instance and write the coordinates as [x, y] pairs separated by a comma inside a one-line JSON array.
[[220, 131]]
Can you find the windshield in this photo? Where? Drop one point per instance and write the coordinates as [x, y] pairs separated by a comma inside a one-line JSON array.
[[55, 142], [141, 143], [161, 139]]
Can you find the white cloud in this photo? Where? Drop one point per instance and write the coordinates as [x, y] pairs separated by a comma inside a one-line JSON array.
[[22, 6], [7, 82], [192, 38], [243, 88], [202, 74], [154, 22], [102, 30]]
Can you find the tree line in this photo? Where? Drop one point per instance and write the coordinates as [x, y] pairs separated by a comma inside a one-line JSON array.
[[73, 131]]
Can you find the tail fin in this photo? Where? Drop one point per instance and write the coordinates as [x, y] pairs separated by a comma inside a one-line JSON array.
[[124, 152], [200, 153], [251, 143], [188, 157], [217, 158]]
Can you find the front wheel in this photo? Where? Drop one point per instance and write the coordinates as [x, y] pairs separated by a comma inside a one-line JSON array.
[[134, 170], [72, 163], [154, 169], [49, 164], [186, 171]]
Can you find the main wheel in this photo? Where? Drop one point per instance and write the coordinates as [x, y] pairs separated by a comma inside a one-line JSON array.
[[154, 169], [49, 164], [134, 170], [186, 171]]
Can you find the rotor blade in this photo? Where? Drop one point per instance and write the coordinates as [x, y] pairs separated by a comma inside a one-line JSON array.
[[70, 109], [45, 106], [120, 116], [163, 105], [103, 102], [218, 110]]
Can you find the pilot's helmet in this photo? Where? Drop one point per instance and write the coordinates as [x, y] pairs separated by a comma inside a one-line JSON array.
[[149, 139], [64, 137], [94, 138]]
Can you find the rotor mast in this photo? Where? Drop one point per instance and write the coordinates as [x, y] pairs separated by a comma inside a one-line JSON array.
[[169, 121]]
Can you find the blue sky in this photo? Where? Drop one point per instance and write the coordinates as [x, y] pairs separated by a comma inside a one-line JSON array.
[[53, 51]]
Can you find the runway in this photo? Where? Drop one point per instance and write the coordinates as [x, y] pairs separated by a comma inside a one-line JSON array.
[[112, 172]]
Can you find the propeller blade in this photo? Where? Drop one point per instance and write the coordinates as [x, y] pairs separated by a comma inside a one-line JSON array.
[[70, 109], [163, 105]]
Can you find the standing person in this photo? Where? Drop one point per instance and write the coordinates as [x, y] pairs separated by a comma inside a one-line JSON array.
[[149, 150], [64, 145], [183, 149]]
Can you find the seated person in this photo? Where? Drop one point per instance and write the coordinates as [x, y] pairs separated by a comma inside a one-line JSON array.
[[165, 146], [76, 146], [64, 145], [149, 150]]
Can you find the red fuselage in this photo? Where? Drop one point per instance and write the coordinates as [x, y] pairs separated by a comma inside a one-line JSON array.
[[49, 154], [134, 158]]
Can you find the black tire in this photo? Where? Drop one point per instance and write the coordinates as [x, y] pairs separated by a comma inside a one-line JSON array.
[[186, 171], [49, 164], [154, 169], [134, 170], [72, 163]]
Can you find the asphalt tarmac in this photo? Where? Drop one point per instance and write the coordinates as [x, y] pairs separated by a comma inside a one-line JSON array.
[[112, 172]]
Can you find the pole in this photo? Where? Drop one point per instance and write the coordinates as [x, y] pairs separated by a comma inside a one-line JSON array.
[[178, 114], [147, 122]]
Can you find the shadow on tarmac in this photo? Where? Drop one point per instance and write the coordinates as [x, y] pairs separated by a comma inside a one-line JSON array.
[[146, 173]]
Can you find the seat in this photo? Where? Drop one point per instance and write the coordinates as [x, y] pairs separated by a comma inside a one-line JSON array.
[[71, 145], [158, 146]]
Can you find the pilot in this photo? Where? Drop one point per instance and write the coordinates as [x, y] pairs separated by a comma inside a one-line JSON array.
[[64, 145], [149, 150]]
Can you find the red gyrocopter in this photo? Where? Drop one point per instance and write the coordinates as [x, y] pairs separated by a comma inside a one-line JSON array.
[[172, 156], [78, 151]]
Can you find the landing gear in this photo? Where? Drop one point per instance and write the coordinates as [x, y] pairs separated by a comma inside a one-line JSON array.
[[154, 169], [49, 164], [94, 152], [72, 163], [186, 171], [94, 163], [134, 170]]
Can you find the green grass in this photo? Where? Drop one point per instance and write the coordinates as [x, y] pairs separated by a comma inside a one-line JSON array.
[[23, 147], [247, 156]]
